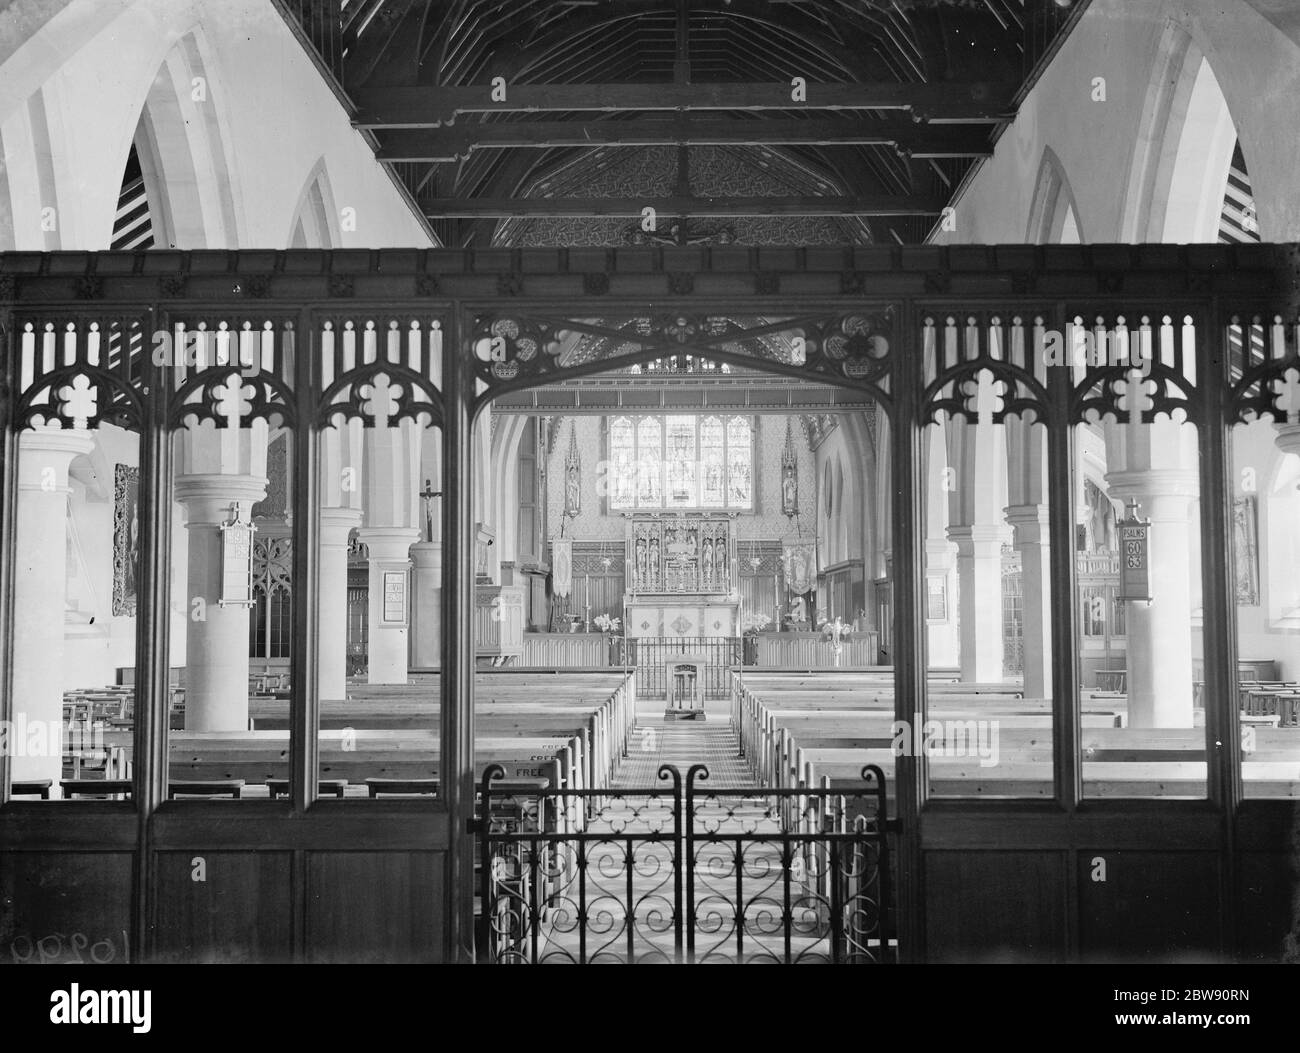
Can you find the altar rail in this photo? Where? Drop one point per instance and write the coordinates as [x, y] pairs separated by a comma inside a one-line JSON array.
[[568, 650], [815, 650], [650, 654]]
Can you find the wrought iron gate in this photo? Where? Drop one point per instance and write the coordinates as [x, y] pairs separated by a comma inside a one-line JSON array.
[[682, 872]]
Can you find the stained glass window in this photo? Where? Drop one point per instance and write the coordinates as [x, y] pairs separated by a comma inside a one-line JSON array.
[[713, 492], [680, 462], [650, 456], [740, 491], [622, 466]]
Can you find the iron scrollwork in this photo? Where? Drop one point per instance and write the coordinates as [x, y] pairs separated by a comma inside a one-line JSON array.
[[684, 873], [788, 876], [580, 876]]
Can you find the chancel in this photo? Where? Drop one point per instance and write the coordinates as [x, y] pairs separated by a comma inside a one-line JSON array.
[[667, 482]]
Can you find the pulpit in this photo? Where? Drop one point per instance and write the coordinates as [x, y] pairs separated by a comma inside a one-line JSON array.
[[498, 624]]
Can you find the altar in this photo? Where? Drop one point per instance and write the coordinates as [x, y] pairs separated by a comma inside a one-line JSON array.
[[680, 579], [667, 616]]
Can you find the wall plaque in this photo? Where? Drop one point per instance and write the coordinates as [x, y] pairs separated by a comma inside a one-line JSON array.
[[236, 562], [1135, 559], [394, 597]]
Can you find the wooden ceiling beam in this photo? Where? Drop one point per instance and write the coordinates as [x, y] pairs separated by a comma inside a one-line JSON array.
[[451, 144], [671, 207], [379, 43], [435, 107]]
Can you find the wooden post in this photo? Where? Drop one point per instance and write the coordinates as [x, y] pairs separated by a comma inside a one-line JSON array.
[[304, 701], [1063, 571], [1219, 602], [8, 532], [152, 644], [457, 748], [909, 627]]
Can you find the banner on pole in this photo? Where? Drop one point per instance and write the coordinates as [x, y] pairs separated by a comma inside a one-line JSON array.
[[561, 566]]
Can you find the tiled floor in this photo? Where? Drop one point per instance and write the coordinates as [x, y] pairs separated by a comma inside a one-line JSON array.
[[683, 743]]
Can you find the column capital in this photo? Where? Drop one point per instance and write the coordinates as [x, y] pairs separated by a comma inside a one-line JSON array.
[[1028, 514], [1288, 438], [1150, 483], [427, 554], [58, 440], [388, 544], [1030, 523], [982, 539], [208, 497], [337, 523], [46, 448]]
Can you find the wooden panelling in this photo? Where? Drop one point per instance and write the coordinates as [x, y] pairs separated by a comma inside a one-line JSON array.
[[995, 906], [1152, 906], [223, 907], [1268, 907], [566, 650], [815, 651], [375, 907], [65, 907]]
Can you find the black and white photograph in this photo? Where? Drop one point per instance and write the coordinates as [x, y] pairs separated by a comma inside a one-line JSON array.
[[583, 482]]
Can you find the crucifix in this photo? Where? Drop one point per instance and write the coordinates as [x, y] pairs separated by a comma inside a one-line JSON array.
[[427, 495], [681, 230]]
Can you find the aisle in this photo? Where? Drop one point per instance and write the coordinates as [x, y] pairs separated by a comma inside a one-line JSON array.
[[683, 743]]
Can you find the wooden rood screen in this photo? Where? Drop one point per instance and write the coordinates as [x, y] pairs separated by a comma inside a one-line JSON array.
[[433, 336]]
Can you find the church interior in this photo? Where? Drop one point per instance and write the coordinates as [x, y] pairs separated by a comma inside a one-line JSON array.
[[710, 480]]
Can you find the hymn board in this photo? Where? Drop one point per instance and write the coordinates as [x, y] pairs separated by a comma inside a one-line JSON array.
[[681, 575]]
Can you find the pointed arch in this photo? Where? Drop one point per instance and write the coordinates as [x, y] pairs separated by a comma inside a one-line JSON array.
[[315, 222], [1054, 213], [184, 158], [1186, 137]]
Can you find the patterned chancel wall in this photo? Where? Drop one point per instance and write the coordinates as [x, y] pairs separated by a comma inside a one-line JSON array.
[[651, 172]]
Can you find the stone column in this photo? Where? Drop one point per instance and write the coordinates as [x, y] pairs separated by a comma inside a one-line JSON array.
[[426, 605], [332, 615], [391, 486], [979, 574], [942, 646], [1159, 680], [40, 585], [216, 640], [1030, 523], [389, 554]]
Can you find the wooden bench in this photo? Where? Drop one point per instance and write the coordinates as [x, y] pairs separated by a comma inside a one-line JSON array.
[[95, 787], [31, 788], [204, 788], [405, 787], [324, 787], [800, 737]]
